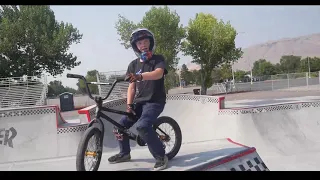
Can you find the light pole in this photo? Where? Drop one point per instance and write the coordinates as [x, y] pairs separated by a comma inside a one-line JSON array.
[[248, 61], [309, 66], [233, 64], [179, 74], [251, 74], [232, 75]]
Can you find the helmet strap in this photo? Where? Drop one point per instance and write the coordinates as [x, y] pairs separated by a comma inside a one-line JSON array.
[[146, 56]]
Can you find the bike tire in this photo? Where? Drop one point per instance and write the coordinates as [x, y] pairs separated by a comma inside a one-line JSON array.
[[82, 147], [177, 130]]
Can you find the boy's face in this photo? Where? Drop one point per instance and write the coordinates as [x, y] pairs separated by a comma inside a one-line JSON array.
[[143, 45]]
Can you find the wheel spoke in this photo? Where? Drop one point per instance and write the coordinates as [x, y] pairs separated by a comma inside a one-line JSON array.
[[163, 134], [89, 154]]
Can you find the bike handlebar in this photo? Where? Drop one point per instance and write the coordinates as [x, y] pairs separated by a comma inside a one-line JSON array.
[[118, 79]]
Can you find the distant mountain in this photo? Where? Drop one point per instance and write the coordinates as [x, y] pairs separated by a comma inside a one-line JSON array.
[[273, 50]]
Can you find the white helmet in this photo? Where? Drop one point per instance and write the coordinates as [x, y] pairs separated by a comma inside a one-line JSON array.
[[139, 34]]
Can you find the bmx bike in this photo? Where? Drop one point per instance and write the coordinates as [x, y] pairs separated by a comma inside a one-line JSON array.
[[96, 128]]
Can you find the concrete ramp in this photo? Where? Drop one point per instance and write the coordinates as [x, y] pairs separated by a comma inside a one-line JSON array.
[[44, 141], [36, 133], [222, 155], [286, 135], [245, 160]]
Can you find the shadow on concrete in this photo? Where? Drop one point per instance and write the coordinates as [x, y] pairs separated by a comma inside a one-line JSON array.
[[189, 160]]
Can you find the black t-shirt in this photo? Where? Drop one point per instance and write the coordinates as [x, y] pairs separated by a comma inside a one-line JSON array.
[[149, 90]]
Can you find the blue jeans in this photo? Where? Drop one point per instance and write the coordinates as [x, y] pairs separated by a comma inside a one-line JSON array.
[[148, 114]]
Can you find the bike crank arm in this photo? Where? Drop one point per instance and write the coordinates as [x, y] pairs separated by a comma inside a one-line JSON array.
[[131, 135], [162, 132]]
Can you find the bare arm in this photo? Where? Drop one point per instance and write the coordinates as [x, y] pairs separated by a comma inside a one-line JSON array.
[[154, 75], [157, 73], [131, 92]]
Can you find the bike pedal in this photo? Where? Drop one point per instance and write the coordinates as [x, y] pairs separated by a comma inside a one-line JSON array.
[[140, 141], [119, 136]]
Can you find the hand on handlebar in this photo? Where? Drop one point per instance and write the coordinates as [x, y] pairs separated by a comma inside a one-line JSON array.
[[133, 115], [134, 77], [130, 109], [118, 79]]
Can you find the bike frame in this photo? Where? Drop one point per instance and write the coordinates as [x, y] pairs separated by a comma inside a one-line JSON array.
[[100, 109], [100, 115]]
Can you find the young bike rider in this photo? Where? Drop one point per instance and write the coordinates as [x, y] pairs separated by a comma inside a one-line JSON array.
[[147, 74]]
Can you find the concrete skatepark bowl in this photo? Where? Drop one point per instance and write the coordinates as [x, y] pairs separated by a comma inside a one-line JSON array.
[[278, 137]]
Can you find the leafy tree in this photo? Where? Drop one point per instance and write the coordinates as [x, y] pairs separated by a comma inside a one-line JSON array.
[[172, 79], [239, 75], [196, 77], [216, 75], [91, 77], [211, 43], [290, 64], [71, 90], [314, 64], [219, 74], [165, 26], [33, 42], [277, 67], [186, 75], [263, 67], [55, 88], [226, 71]]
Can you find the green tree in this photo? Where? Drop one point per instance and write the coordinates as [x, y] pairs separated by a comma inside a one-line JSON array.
[[91, 77], [165, 24], [186, 75], [70, 90], [226, 71], [196, 77], [172, 79], [211, 43], [55, 88], [290, 64], [219, 74], [314, 64], [277, 67], [263, 67], [33, 42], [240, 75]]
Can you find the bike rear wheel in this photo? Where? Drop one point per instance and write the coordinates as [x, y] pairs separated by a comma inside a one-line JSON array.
[[83, 151], [165, 139]]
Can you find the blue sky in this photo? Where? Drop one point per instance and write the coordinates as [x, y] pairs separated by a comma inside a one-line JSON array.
[[101, 50]]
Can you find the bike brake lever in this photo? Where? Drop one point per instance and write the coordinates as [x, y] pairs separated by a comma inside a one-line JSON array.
[[133, 112], [133, 115]]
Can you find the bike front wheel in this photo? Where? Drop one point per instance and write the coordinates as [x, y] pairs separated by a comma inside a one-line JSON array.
[[87, 148]]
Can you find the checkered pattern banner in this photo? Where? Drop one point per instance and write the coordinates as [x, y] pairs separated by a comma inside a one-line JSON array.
[[251, 165]]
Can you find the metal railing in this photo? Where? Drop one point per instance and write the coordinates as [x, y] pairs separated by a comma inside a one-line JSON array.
[[22, 91], [120, 89]]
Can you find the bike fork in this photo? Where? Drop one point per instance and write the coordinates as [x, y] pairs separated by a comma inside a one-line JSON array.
[[99, 121]]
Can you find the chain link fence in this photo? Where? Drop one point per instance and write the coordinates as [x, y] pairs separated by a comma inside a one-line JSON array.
[[289, 81], [292, 81], [280, 81]]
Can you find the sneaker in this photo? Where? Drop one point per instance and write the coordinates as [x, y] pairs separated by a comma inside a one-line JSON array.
[[119, 158], [161, 163]]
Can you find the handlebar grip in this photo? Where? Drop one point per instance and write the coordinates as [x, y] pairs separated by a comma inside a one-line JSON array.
[[74, 76]]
